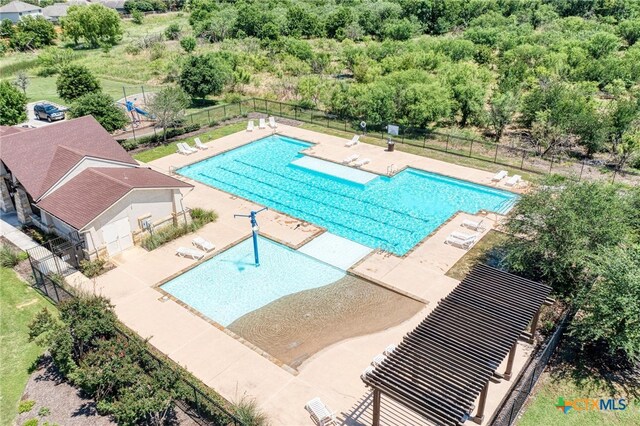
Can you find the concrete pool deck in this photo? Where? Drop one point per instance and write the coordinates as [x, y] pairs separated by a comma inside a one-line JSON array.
[[232, 367]]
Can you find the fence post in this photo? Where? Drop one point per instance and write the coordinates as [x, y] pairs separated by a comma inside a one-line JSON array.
[[581, 169], [224, 112], [345, 125], [280, 108], [471, 148], [254, 104], [295, 112], [209, 117], [522, 162], [495, 157], [551, 163], [446, 148], [424, 141], [615, 172], [266, 106], [191, 118], [240, 107]]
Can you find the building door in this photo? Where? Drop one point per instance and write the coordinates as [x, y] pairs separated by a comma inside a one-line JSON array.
[[117, 236]]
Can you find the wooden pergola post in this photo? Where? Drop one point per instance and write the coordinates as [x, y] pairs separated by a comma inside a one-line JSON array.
[[534, 325], [512, 355], [376, 407], [479, 417]]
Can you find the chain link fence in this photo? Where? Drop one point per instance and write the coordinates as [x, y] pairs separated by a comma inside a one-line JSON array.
[[511, 407]]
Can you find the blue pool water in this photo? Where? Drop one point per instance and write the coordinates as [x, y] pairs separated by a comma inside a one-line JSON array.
[[229, 285], [390, 213]]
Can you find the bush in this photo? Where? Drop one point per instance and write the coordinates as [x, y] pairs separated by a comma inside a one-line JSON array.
[[26, 406], [75, 81], [92, 268], [200, 217], [10, 257], [188, 44], [102, 107], [31, 422], [249, 413], [14, 104], [171, 133], [172, 32], [137, 17]]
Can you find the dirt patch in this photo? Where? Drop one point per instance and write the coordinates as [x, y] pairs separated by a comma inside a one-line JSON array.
[[296, 326], [485, 251]]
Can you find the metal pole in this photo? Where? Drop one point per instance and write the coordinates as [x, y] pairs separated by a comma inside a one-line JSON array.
[[495, 157], [446, 148], [581, 169], [144, 96], [254, 234], [224, 112], [266, 107], [209, 117], [471, 148], [376, 407], [280, 108], [551, 164], [522, 162], [240, 107]]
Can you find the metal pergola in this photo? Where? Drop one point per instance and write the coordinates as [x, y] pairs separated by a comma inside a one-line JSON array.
[[441, 366]]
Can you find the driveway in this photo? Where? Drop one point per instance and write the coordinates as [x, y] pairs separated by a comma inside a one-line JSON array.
[[32, 121]]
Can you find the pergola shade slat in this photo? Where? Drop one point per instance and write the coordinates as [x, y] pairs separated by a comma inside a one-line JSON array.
[[441, 366]]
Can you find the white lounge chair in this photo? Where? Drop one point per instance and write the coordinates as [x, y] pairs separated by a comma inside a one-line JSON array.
[[461, 240], [250, 126], [472, 224], [513, 180], [361, 162], [262, 124], [354, 141], [272, 123], [189, 148], [189, 252], [203, 244], [389, 349], [200, 145], [182, 150], [320, 413], [366, 372], [350, 159], [499, 176], [377, 360]]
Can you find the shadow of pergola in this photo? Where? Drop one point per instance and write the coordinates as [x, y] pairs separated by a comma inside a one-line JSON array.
[[391, 413]]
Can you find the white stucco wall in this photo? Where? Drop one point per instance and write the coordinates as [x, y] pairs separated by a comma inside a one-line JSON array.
[[159, 203], [83, 164]]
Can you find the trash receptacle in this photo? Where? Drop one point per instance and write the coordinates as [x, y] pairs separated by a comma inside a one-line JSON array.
[[390, 145]]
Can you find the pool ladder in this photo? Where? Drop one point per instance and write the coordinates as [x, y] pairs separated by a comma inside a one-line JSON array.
[[391, 170]]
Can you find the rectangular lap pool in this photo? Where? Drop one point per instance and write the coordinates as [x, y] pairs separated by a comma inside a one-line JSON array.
[[393, 214]]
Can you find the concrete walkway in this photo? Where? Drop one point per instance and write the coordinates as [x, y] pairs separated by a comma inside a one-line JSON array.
[[224, 361], [10, 229]]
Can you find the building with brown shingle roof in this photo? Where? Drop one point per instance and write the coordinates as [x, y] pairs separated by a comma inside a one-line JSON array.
[[73, 179]]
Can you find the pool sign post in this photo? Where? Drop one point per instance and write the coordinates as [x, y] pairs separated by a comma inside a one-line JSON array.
[[254, 231]]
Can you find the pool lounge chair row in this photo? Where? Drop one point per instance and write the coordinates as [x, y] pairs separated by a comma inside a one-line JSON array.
[[262, 124], [502, 174], [185, 149], [353, 142], [203, 246]]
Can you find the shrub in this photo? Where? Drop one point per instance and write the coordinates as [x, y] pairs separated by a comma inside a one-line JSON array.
[[10, 257], [172, 32], [75, 81], [103, 108], [249, 413], [137, 17], [188, 44], [200, 217], [26, 406], [13, 103], [44, 411], [31, 422], [92, 268]]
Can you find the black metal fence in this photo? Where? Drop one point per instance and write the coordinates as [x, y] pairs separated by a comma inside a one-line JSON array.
[[511, 408], [49, 270], [500, 154]]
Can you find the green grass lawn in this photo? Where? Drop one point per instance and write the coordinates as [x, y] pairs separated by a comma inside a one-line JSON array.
[[44, 88], [170, 148], [562, 383], [18, 305]]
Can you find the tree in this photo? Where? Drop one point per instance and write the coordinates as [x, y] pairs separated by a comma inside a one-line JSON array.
[[75, 81], [14, 105], [188, 44], [94, 25], [7, 30], [468, 84], [629, 30], [205, 75], [554, 232], [627, 148], [22, 81], [167, 106], [609, 311], [502, 108], [102, 107], [301, 22], [33, 32]]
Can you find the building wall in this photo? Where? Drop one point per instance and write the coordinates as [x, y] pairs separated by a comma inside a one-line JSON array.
[[16, 16], [85, 163], [157, 204]]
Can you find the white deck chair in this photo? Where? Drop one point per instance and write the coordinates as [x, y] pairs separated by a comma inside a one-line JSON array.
[[499, 176], [262, 124], [189, 252], [377, 360], [513, 180], [203, 244], [361, 162], [182, 150], [350, 159], [200, 145], [354, 141], [250, 126], [389, 349], [189, 148], [320, 413], [272, 123], [461, 240], [472, 224]]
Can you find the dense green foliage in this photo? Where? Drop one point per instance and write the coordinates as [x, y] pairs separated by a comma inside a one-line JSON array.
[[102, 107], [205, 75], [31, 32], [582, 239], [14, 104], [93, 25], [10, 257], [168, 106], [75, 81]]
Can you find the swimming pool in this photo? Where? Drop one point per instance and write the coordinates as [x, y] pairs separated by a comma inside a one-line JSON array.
[[393, 214], [229, 285]]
